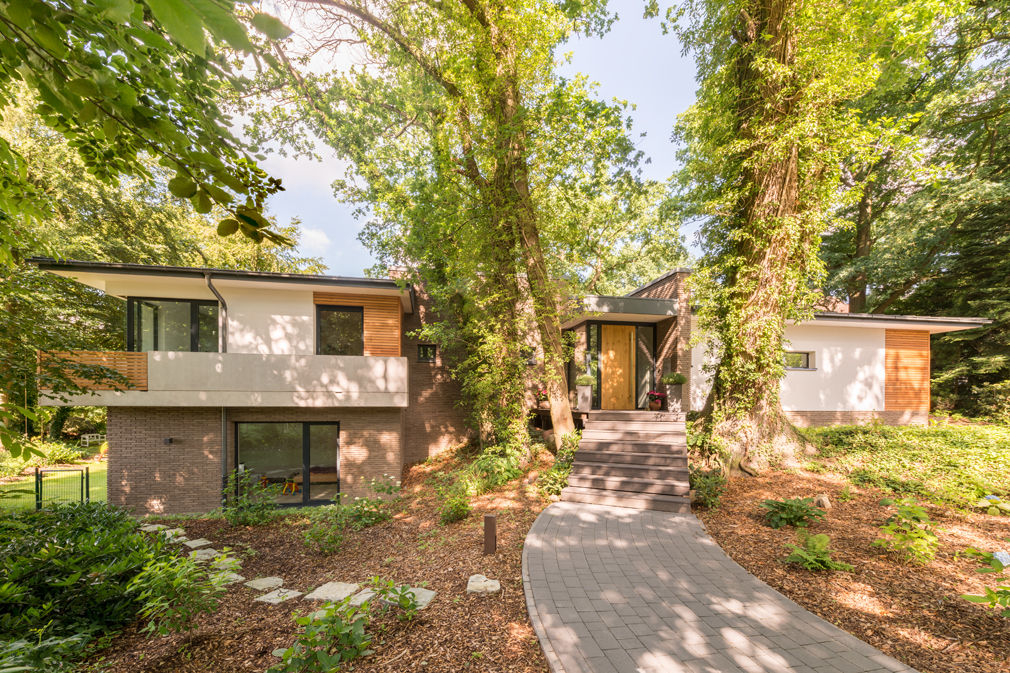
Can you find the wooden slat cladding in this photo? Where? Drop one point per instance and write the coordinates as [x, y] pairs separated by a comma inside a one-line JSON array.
[[382, 317], [131, 365], [906, 366]]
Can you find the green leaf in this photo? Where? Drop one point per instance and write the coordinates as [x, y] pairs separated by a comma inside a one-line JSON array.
[[227, 227], [181, 22], [270, 26], [182, 186], [222, 24], [202, 203]]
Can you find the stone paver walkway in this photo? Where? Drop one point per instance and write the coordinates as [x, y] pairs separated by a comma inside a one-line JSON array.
[[611, 590]]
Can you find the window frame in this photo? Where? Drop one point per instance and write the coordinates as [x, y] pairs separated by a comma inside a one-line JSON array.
[[434, 353], [307, 500], [194, 323], [810, 362], [360, 310]]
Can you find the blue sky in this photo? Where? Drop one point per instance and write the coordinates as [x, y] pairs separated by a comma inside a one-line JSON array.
[[634, 62]]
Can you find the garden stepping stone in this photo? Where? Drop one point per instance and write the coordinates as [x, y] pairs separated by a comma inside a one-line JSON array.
[[228, 577], [201, 555], [265, 583], [196, 544], [278, 596], [422, 596], [174, 534], [153, 527], [332, 591], [361, 597], [478, 584]]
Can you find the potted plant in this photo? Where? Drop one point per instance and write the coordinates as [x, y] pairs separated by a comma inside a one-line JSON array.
[[656, 399], [541, 396], [584, 391], [674, 383]]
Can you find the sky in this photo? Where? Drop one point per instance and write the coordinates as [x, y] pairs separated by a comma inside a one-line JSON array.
[[634, 62]]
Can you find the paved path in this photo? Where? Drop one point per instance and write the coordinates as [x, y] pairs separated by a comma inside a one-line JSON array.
[[613, 589]]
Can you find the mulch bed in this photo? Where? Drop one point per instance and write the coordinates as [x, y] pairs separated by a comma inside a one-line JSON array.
[[456, 632], [913, 613]]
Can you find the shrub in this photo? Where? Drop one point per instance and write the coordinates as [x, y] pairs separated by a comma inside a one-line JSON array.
[[401, 597], [386, 485], [329, 524], [250, 502], [554, 480], [585, 380], [494, 467], [455, 505], [331, 637], [911, 533], [791, 512], [172, 590], [708, 485], [997, 597], [672, 379], [814, 553], [366, 512]]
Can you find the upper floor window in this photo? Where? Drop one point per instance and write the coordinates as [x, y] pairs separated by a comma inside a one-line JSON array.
[[799, 360], [426, 352], [172, 325], [340, 330]]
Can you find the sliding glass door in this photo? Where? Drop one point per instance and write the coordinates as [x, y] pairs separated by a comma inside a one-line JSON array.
[[301, 459]]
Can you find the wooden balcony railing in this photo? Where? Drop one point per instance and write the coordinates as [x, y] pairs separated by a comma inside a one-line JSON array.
[[131, 365]]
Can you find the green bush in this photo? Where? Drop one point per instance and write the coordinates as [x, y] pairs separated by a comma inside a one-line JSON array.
[[814, 554], [77, 570], [400, 597], [325, 537], [328, 640], [791, 512], [249, 501], [455, 505], [494, 467], [672, 379], [997, 597], [708, 485], [555, 479], [330, 524], [911, 533]]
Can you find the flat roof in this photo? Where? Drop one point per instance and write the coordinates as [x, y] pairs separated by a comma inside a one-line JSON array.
[[655, 281], [921, 322]]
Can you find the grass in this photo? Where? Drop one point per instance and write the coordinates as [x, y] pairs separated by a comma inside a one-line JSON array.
[[953, 464], [67, 483]]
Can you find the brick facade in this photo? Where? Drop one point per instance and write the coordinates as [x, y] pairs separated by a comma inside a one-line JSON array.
[[673, 335], [806, 419]]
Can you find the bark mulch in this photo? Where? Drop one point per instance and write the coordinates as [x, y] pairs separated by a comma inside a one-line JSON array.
[[913, 613], [456, 632]]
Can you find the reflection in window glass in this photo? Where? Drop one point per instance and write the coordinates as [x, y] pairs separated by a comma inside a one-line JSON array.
[[797, 360], [593, 361], [644, 364], [341, 330], [174, 325]]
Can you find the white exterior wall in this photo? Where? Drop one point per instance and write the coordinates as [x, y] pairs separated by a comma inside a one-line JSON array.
[[270, 321], [847, 372]]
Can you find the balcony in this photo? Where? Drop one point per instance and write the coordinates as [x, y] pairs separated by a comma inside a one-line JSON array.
[[187, 379]]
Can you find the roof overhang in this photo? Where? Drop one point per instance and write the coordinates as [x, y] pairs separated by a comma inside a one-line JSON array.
[[116, 279], [623, 309], [931, 324]]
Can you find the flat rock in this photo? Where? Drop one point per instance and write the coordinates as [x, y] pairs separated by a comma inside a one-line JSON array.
[[332, 591], [265, 583], [423, 596], [228, 577], [278, 596], [153, 527], [478, 584], [201, 555], [174, 533], [279, 652], [1003, 557], [196, 544], [361, 596]]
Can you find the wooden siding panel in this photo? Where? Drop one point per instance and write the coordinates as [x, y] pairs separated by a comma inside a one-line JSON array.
[[131, 365], [383, 318], [906, 366]]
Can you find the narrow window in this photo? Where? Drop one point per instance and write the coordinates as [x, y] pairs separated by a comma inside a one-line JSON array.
[[425, 352], [340, 330], [798, 360]]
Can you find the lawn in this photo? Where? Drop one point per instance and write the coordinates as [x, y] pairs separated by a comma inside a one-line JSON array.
[[944, 463], [65, 485]]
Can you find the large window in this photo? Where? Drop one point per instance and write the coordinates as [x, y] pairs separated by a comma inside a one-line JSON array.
[[301, 459], [172, 325], [340, 330]]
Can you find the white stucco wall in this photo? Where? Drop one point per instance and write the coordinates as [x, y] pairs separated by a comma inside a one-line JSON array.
[[270, 321], [847, 373]]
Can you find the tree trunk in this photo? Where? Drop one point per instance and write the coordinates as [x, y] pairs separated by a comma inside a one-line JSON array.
[[864, 246]]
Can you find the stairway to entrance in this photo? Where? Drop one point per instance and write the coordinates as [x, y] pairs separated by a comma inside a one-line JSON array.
[[634, 459]]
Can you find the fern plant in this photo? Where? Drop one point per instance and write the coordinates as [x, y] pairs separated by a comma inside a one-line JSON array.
[[814, 554]]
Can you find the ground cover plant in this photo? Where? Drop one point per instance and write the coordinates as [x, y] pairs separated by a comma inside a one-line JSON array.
[[950, 463], [553, 480], [707, 484], [791, 512], [74, 572], [909, 532], [912, 612], [456, 632], [813, 553]]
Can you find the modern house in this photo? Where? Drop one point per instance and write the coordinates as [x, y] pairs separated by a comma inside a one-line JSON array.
[[315, 382]]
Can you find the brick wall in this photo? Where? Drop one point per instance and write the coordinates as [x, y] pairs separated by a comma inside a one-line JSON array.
[[806, 419], [149, 476], [434, 421], [673, 335]]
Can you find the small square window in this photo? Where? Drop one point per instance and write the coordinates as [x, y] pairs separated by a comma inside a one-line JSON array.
[[798, 360], [426, 352]]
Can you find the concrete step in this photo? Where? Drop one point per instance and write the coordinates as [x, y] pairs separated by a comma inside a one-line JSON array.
[[665, 437], [659, 503], [658, 473], [665, 459], [611, 446], [646, 426], [631, 484], [636, 416]]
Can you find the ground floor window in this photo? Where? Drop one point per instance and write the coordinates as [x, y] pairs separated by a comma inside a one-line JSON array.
[[302, 458]]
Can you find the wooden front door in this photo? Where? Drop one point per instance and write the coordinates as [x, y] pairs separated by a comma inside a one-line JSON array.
[[617, 367]]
